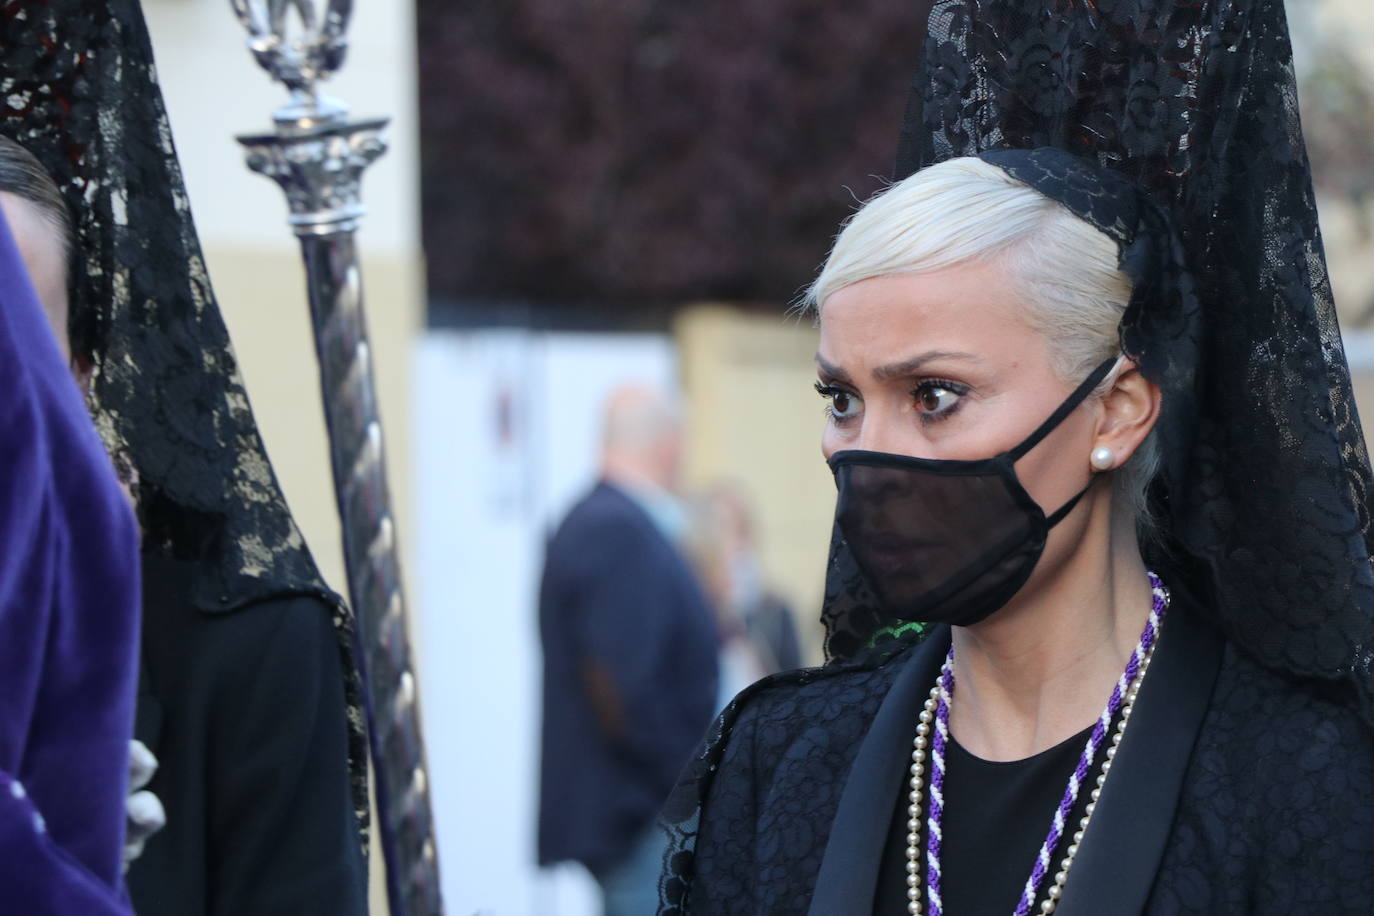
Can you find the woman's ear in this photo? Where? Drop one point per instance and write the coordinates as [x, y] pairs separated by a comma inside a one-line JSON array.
[[1130, 409]]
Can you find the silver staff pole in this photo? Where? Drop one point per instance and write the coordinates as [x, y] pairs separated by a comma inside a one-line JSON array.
[[318, 154]]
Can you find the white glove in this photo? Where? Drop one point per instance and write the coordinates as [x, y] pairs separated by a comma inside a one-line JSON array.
[[144, 810]]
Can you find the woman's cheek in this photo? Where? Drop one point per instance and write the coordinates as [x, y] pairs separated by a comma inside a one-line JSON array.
[[832, 439]]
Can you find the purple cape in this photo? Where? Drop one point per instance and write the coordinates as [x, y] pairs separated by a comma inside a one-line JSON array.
[[69, 611]]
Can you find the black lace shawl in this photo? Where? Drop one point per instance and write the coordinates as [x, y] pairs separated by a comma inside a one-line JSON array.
[[80, 92], [1263, 498]]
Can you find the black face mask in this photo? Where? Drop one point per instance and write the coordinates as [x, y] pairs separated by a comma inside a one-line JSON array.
[[947, 541]]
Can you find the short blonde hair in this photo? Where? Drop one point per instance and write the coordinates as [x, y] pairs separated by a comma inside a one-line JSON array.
[[966, 210]]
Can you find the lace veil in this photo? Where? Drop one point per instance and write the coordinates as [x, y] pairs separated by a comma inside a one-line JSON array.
[[80, 93]]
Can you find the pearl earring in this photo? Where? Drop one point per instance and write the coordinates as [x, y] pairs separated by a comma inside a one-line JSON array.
[[1102, 459]]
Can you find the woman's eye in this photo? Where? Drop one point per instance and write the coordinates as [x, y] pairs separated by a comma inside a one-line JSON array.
[[843, 405], [935, 398]]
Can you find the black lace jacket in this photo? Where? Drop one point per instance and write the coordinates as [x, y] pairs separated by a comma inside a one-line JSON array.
[[1234, 792]]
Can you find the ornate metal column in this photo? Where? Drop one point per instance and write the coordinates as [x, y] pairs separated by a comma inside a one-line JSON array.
[[318, 154]]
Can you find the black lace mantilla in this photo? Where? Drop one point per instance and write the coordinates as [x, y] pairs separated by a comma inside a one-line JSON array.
[[80, 92]]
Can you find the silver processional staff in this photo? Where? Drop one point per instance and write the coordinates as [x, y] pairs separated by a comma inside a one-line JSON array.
[[317, 154]]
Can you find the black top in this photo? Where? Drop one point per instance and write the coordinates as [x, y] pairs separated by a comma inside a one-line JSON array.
[[996, 817], [246, 714]]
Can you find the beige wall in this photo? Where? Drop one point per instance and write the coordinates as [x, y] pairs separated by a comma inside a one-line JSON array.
[[753, 419]]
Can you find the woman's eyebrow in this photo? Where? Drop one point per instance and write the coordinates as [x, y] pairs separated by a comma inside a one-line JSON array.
[[900, 369], [910, 366], [832, 371]]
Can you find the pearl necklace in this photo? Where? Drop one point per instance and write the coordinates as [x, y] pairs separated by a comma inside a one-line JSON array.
[[932, 730]]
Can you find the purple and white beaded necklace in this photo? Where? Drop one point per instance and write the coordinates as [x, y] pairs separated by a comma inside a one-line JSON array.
[[933, 729]]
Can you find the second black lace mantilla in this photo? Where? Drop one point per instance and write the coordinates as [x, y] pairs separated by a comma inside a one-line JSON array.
[[81, 94]]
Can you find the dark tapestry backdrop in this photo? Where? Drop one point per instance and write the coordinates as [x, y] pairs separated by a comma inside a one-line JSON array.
[[633, 153]]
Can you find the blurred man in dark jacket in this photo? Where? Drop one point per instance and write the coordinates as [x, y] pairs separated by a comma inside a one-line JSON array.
[[629, 660]]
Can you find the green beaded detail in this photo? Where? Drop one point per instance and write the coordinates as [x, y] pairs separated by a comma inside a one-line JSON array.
[[899, 630]]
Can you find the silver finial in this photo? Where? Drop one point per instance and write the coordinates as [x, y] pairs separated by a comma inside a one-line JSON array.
[[299, 46]]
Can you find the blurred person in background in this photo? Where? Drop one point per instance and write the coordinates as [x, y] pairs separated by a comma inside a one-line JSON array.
[[630, 659], [767, 618], [247, 691], [757, 633], [709, 549], [68, 608]]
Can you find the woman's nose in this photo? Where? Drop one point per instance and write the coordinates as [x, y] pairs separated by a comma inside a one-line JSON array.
[[882, 432]]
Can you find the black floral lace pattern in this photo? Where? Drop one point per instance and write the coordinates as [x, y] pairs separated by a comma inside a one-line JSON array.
[[1277, 812], [81, 94], [853, 616], [1278, 808], [771, 796]]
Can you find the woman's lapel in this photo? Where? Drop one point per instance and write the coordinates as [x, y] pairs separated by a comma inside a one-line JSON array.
[[1115, 867], [853, 854]]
